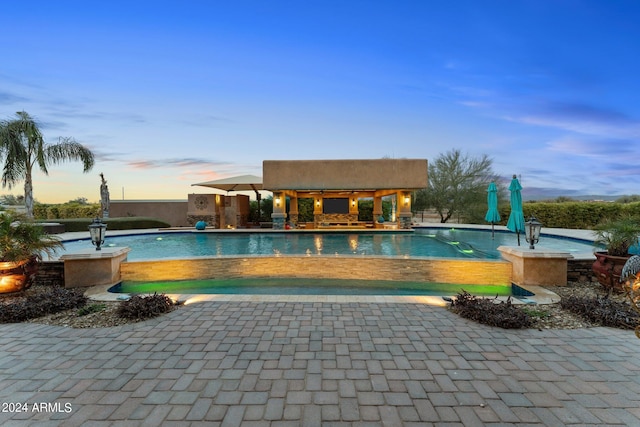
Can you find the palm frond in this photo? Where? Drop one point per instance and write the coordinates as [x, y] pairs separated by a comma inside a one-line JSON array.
[[68, 149]]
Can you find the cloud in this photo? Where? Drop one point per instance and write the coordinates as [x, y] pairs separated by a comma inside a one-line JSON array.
[[581, 118], [175, 163], [596, 147], [10, 98]]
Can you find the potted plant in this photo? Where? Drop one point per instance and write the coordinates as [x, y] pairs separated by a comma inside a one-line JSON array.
[[22, 243], [617, 236]]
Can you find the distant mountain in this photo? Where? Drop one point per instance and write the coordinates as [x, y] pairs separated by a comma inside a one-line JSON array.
[[536, 193]]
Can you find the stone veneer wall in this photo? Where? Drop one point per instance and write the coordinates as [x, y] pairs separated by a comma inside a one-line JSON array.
[[579, 270], [50, 273], [481, 272]]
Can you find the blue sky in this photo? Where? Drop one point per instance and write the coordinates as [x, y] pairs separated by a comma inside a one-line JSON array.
[[170, 93]]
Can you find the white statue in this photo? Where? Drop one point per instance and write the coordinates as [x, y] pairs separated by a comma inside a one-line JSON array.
[[104, 197]]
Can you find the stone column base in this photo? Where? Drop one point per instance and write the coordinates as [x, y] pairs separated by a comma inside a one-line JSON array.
[[278, 220], [404, 220]]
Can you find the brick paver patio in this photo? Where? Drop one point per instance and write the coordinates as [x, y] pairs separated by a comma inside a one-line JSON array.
[[316, 364]]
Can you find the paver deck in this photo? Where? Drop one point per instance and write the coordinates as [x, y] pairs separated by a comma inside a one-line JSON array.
[[244, 363]]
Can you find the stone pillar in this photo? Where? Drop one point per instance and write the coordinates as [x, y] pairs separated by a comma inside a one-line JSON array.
[[538, 266], [279, 215], [404, 209], [317, 211]]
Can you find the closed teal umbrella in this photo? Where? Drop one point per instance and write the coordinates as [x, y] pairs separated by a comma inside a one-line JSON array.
[[492, 216], [516, 217]]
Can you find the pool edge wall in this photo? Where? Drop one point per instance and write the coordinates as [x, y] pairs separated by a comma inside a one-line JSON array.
[[436, 270]]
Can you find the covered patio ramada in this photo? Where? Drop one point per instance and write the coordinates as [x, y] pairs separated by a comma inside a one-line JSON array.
[[336, 185]]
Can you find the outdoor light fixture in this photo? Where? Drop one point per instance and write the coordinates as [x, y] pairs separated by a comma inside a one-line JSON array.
[[97, 230], [278, 202], [532, 231], [353, 202], [317, 202], [407, 199]]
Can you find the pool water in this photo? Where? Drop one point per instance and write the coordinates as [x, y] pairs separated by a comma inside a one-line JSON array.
[[423, 242], [299, 286]]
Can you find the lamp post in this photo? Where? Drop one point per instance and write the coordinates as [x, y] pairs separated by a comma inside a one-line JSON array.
[[97, 230], [532, 231]]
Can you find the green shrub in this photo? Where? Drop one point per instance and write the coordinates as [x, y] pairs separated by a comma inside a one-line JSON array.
[[486, 311], [37, 304], [584, 215], [144, 307], [65, 211]]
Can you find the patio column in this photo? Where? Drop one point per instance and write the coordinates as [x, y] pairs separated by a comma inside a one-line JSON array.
[[220, 223], [279, 214], [377, 211], [353, 205], [317, 211], [404, 209], [293, 210]]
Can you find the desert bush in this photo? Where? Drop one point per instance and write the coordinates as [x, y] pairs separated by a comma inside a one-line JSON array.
[[489, 312], [602, 311], [144, 307], [31, 305]]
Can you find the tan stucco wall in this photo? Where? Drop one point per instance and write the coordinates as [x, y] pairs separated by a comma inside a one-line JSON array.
[[173, 212], [374, 174], [537, 267], [90, 267]]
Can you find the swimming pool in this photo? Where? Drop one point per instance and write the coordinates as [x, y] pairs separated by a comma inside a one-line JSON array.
[[422, 242]]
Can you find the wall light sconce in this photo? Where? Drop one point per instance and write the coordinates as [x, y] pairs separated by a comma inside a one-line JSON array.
[[407, 199], [278, 202], [318, 202], [353, 202]]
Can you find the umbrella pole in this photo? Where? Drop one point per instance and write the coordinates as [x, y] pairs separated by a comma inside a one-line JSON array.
[[518, 233], [492, 230]]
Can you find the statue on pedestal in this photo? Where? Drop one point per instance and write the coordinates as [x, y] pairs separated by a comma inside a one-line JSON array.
[[104, 197]]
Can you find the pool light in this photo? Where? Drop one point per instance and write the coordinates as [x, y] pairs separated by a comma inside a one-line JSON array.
[[532, 231], [97, 230]]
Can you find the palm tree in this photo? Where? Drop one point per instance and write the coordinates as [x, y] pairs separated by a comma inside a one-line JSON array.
[[23, 147]]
